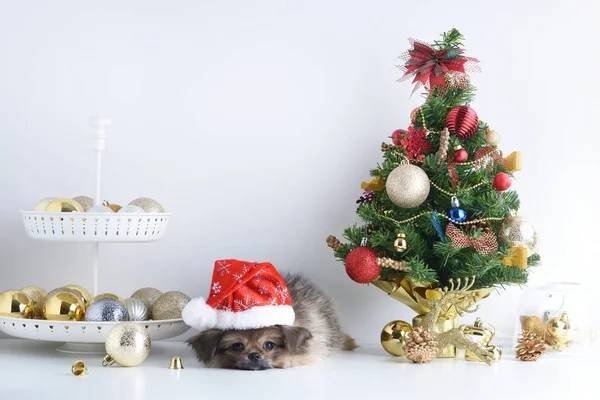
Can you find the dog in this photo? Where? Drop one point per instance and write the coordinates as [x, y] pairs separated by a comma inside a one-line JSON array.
[[315, 334]]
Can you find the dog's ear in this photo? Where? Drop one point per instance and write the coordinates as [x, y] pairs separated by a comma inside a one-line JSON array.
[[206, 343], [295, 338]]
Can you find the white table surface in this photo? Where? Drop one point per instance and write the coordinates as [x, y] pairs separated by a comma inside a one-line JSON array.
[[35, 370]]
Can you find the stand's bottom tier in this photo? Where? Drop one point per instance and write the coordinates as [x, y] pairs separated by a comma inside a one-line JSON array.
[[83, 332]]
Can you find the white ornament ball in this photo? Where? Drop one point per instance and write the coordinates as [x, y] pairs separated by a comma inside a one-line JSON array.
[[518, 231], [100, 209], [131, 210], [407, 186], [137, 310], [492, 138]]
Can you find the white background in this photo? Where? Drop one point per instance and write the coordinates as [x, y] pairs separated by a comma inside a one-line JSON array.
[[254, 122]]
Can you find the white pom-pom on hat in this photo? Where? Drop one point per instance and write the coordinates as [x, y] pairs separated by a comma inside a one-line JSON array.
[[199, 315]]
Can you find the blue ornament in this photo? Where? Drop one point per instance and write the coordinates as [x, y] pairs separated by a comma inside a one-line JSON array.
[[438, 226], [456, 213]]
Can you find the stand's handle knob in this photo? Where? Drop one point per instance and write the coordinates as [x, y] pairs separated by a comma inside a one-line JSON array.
[[98, 125]]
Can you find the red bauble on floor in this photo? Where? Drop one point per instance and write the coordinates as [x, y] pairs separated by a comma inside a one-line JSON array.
[[502, 181], [462, 121], [361, 265], [397, 136]]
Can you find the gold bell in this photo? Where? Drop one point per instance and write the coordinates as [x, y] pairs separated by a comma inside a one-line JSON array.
[[176, 363], [79, 368], [479, 334], [400, 244]]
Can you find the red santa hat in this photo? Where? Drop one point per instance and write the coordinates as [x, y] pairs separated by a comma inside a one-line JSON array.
[[243, 295]]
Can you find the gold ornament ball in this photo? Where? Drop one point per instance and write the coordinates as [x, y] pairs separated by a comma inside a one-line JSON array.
[[517, 231], [64, 205], [36, 294], [407, 186], [78, 368], [169, 305], [41, 205], [85, 201], [393, 336], [559, 329], [64, 306], [532, 323], [492, 138], [148, 296], [109, 295], [128, 344], [62, 289], [85, 294], [400, 244], [149, 205], [16, 304]]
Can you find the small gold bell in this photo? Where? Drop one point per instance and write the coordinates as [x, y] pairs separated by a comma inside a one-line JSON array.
[[79, 368], [400, 244], [176, 363]]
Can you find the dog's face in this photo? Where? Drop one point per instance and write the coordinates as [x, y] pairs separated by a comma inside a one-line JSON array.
[[253, 349]]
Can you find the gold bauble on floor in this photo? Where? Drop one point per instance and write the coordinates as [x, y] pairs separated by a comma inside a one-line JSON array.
[[393, 336], [128, 344]]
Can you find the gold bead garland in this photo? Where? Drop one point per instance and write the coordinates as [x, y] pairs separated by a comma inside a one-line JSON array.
[[456, 194], [471, 222], [385, 262]]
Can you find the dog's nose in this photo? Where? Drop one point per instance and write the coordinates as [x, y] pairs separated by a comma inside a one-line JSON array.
[[254, 356]]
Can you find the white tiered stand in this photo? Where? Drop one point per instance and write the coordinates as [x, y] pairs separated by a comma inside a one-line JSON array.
[[82, 336]]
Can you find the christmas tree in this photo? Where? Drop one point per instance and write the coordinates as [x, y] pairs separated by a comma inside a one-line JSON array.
[[438, 207]]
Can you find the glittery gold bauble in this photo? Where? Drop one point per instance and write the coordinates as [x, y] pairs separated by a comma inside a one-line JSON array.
[[87, 297], [43, 203], [533, 324], [492, 138], [169, 305], [64, 205], [149, 205], [110, 296], [16, 304], [148, 296], [85, 201], [393, 336], [36, 294], [114, 207], [407, 186], [517, 231], [64, 306], [559, 330], [128, 344]]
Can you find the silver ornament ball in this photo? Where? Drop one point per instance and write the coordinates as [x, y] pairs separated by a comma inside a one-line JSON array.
[[149, 205], [148, 296], [107, 309], [100, 209], [85, 201], [518, 231], [407, 186], [137, 310], [128, 344], [169, 305], [131, 210]]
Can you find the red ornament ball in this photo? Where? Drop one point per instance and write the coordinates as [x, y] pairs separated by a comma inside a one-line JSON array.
[[361, 265], [461, 155], [462, 121], [502, 181], [413, 115], [397, 136]]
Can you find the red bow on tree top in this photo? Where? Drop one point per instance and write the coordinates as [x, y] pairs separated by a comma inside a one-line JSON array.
[[430, 66]]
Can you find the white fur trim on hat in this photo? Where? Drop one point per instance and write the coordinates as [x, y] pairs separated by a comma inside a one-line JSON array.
[[199, 315]]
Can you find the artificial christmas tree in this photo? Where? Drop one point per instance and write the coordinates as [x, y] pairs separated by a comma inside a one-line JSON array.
[[435, 217]]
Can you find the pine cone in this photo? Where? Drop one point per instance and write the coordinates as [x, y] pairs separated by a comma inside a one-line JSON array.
[[333, 242], [444, 143], [385, 262], [386, 147], [530, 347], [420, 346]]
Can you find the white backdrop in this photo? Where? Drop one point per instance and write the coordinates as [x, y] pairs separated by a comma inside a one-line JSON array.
[[254, 122]]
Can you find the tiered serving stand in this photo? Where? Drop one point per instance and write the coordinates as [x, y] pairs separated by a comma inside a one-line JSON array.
[[81, 336]]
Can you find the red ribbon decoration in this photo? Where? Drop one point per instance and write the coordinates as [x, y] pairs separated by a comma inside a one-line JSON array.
[[430, 66], [485, 245]]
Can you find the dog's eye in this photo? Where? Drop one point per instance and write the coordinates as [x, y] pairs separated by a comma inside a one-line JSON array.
[[237, 347], [268, 346]]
